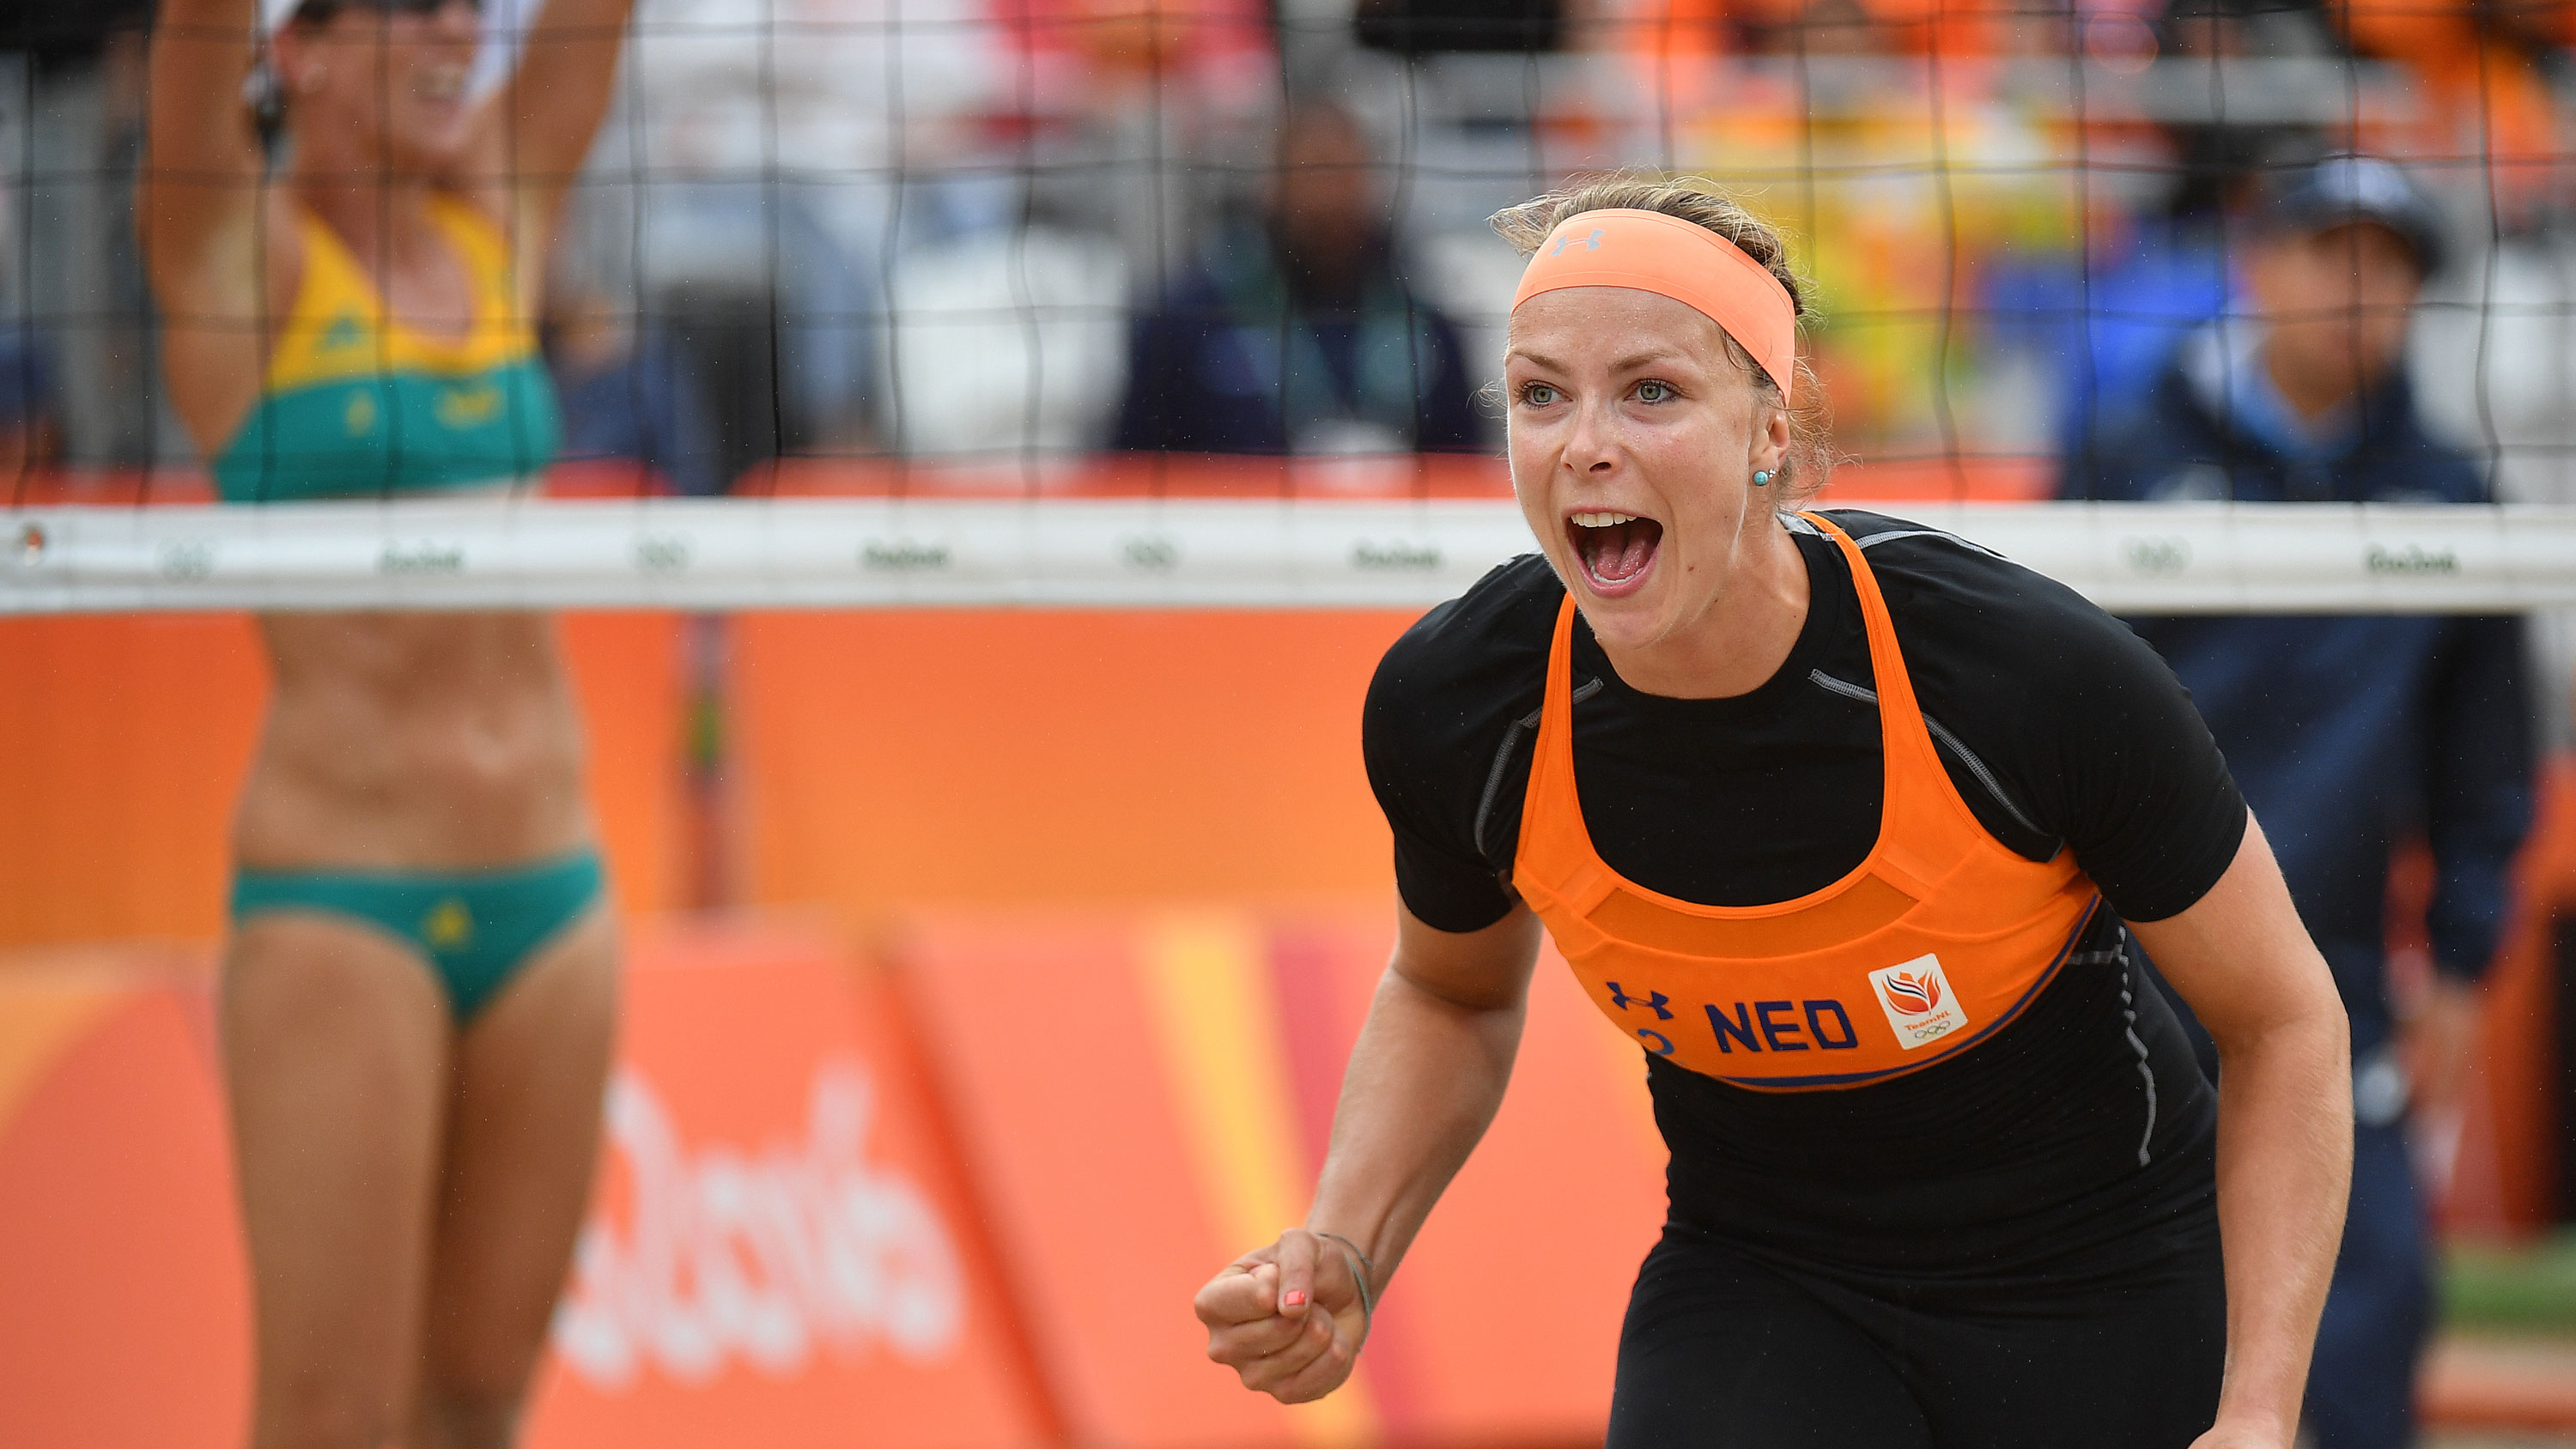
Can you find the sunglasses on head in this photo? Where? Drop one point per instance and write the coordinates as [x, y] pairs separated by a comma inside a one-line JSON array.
[[318, 11]]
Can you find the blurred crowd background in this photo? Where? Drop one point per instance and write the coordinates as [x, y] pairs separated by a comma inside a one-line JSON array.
[[823, 235], [869, 228]]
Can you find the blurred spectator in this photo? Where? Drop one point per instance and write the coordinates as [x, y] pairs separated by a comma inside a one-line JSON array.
[[2347, 732], [71, 112], [626, 392], [1297, 335], [750, 193]]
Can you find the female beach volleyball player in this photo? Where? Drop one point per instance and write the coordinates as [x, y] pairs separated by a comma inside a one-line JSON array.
[[418, 994], [1840, 819]]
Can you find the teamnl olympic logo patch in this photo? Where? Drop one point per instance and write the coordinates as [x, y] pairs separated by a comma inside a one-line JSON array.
[[1918, 1001]]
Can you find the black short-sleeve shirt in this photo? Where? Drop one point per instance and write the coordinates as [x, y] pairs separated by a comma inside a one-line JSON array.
[[2060, 729]]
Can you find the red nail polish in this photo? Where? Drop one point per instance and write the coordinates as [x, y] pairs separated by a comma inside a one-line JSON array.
[[1296, 1296]]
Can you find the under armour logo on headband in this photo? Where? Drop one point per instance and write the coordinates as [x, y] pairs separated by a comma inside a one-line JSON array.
[[1591, 243]]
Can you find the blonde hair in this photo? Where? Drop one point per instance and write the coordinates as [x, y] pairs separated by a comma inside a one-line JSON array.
[[1702, 203]]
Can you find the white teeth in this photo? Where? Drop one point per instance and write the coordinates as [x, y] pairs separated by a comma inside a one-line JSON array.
[[1602, 520]]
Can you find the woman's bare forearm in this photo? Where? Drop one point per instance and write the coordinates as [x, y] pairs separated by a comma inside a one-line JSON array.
[[1425, 1079], [197, 188], [2284, 1175]]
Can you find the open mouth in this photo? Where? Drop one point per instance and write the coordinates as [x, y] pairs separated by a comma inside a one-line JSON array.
[[1615, 549]]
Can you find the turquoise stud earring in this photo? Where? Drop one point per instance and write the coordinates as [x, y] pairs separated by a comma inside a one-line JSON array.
[[1762, 479]]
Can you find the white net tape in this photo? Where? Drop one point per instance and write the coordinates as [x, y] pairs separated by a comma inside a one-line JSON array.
[[1145, 553]]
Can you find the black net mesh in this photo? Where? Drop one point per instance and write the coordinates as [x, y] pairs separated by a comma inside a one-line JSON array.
[[856, 245]]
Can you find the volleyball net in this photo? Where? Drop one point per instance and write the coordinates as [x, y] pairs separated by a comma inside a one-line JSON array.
[[707, 554], [861, 303]]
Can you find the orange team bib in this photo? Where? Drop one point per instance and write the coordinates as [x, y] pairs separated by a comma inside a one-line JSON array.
[[1933, 942]]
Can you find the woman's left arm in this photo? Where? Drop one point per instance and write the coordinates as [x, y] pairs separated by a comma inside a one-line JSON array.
[[2246, 965], [536, 132]]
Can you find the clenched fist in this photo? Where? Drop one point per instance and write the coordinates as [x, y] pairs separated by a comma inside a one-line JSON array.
[[1287, 1318]]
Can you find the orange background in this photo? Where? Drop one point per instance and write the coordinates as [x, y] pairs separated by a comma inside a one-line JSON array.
[[888, 759], [119, 1251]]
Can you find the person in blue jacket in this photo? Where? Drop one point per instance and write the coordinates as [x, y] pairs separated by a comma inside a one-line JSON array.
[[1298, 334], [2347, 734]]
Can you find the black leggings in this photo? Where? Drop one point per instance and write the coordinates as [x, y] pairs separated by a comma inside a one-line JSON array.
[[1721, 1351]]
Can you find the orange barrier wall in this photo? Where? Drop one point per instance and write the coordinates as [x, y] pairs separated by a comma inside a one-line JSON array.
[[123, 741], [888, 759], [780, 1254], [1143, 1096], [120, 1263]]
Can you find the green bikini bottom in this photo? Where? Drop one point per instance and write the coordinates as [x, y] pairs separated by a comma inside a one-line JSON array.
[[474, 928]]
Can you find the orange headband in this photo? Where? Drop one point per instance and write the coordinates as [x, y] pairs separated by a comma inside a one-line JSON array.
[[1666, 255]]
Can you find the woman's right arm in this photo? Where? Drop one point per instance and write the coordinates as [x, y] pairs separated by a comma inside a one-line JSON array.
[[1424, 1081], [197, 200]]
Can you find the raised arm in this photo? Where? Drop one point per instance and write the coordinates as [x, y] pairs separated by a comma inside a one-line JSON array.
[[538, 129], [198, 198], [2246, 965], [1424, 1081]]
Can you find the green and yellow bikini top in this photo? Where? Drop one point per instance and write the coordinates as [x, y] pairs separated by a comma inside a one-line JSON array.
[[355, 404]]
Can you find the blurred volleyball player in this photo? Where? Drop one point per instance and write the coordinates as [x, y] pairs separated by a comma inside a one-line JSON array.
[[1848, 824], [418, 992]]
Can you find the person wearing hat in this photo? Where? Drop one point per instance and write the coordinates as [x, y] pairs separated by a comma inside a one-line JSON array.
[[346, 237], [2348, 735], [1849, 829]]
